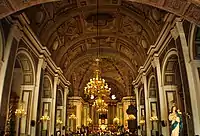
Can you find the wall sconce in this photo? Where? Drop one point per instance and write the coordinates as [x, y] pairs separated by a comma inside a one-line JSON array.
[[45, 118], [142, 121], [154, 118], [59, 122]]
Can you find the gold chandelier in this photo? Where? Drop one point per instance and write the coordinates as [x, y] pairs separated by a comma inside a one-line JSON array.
[[97, 86], [72, 116], [59, 121], [45, 118], [20, 112], [100, 105]]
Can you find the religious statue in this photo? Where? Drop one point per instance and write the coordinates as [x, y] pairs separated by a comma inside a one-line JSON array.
[[176, 121]]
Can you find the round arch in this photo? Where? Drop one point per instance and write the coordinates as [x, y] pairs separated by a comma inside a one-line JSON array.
[[47, 87], [187, 9], [27, 65], [112, 54], [151, 86], [141, 94], [60, 96], [170, 53]]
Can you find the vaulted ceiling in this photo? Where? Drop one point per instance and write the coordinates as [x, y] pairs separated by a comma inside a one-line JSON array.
[[69, 30]]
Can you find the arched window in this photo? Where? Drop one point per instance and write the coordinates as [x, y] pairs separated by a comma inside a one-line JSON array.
[[47, 88]]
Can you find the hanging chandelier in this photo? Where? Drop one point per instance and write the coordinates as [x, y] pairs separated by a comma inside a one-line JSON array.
[[97, 86], [20, 112]]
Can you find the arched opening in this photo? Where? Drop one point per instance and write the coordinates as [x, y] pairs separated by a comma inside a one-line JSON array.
[[18, 123], [152, 90], [59, 111], [142, 111], [173, 87], [46, 102]]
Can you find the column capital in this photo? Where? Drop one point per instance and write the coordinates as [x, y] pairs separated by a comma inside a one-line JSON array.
[[155, 62], [143, 79], [16, 32], [56, 79], [136, 89], [44, 65], [174, 33], [66, 89]]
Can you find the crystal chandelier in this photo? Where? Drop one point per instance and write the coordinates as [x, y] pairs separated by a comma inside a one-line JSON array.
[[20, 112], [97, 86]]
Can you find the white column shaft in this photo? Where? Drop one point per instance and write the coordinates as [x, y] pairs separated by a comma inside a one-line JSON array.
[[36, 94], [53, 112], [138, 109], [65, 107], [147, 106], [193, 94], [163, 104]]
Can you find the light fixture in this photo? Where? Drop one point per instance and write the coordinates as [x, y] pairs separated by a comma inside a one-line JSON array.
[[142, 121], [89, 120], [116, 121], [131, 117], [113, 97], [97, 86], [92, 97], [100, 105], [102, 110], [154, 118], [20, 112], [59, 121], [45, 118], [72, 116]]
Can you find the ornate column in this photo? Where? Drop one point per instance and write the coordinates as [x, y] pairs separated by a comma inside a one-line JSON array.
[[138, 108], [66, 91], [193, 91], [147, 114], [53, 111], [36, 93], [162, 99]]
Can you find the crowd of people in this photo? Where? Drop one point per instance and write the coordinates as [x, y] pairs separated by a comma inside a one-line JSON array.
[[85, 131]]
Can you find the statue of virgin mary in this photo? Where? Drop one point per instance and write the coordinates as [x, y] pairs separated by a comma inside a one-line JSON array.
[[176, 121]]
